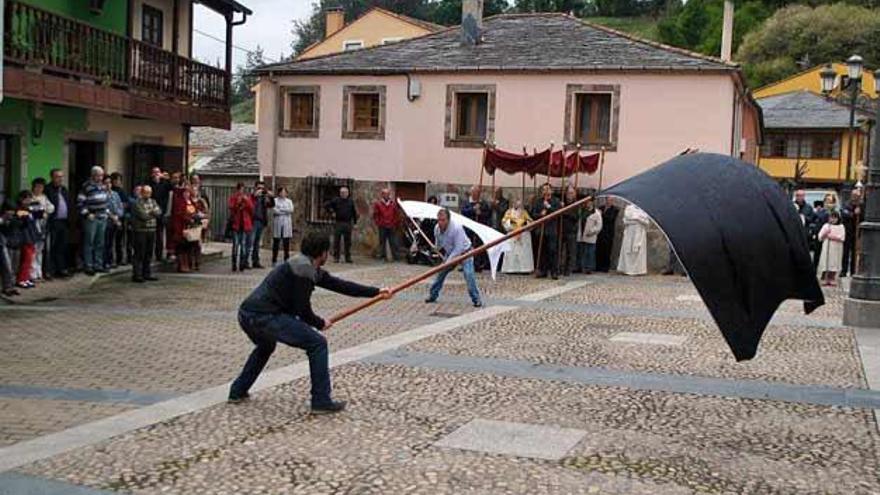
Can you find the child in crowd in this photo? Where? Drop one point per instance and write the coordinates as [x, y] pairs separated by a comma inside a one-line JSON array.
[[30, 236], [40, 208], [831, 236]]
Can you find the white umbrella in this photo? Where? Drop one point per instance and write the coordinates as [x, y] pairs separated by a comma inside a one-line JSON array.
[[418, 209]]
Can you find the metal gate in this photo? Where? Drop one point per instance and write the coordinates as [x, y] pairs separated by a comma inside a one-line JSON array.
[[218, 198]]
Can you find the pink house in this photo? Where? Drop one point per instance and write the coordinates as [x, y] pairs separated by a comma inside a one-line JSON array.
[[416, 114]]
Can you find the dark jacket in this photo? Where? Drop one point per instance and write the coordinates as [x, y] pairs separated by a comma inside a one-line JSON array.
[[262, 204], [161, 192], [53, 193], [288, 289], [470, 210], [570, 221], [538, 211], [343, 209]]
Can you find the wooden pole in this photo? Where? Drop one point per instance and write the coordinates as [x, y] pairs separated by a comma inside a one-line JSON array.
[[601, 168], [482, 166], [448, 265], [541, 237]]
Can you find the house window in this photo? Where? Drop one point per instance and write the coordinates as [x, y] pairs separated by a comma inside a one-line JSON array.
[[826, 146], [592, 113], [385, 41], [152, 25], [301, 111], [470, 115], [593, 118], [363, 112], [349, 45], [319, 190]]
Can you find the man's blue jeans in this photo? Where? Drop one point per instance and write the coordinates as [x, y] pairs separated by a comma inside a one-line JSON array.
[[240, 246], [467, 269], [265, 330], [93, 243], [256, 237]]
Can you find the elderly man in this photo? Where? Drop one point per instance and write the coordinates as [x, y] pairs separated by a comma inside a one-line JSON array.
[[346, 216], [59, 224], [92, 202], [452, 241], [161, 191], [548, 237], [144, 214], [385, 218]]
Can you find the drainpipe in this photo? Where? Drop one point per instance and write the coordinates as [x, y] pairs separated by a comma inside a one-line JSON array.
[[276, 128]]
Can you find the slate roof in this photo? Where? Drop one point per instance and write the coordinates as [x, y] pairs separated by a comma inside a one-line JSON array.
[[511, 42], [805, 110], [232, 152]]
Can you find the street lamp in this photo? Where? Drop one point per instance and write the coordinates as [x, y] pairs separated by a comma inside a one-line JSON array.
[[862, 307], [854, 67]]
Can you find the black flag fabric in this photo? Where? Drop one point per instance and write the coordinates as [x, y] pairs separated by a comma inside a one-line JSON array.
[[736, 233]]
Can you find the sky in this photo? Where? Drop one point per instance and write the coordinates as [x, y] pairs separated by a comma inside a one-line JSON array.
[[269, 28]]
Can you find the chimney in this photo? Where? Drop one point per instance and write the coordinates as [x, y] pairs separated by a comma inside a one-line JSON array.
[[471, 22], [727, 31], [335, 20]]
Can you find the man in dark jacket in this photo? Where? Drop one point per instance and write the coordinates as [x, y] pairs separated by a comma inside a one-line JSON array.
[[852, 216], [58, 226], [548, 236], [280, 310], [479, 211], [161, 192], [344, 211], [569, 233], [263, 202]]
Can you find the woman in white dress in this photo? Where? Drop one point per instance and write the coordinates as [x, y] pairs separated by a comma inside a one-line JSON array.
[[633, 258], [519, 258], [831, 236], [282, 224]]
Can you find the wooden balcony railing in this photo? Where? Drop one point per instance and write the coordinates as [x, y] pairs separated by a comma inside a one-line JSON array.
[[58, 44]]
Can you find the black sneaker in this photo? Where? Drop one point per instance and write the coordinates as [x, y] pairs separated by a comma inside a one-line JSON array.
[[89, 272], [238, 399], [137, 280], [257, 265], [430, 300], [478, 304], [151, 279], [329, 408]]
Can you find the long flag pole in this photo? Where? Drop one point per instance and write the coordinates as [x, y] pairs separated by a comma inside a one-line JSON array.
[[455, 261], [541, 238]]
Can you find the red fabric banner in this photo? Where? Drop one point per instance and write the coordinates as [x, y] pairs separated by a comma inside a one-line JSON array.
[[538, 163]]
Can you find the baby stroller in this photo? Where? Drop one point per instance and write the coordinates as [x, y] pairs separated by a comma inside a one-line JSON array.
[[420, 251]]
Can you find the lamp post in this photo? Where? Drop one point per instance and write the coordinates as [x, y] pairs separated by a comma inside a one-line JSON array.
[[862, 307], [854, 68]]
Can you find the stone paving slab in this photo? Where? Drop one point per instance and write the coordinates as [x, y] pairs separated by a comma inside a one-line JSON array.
[[25, 418], [636, 442], [513, 439], [800, 355]]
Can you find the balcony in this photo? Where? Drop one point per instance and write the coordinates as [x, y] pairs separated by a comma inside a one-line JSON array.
[[39, 41]]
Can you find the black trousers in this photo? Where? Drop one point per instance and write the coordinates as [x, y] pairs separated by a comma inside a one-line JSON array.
[[386, 235], [119, 243], [59, 230], [159, 238], [548, 255], [570, 259], [285, 241], [144, 244], [342, 235], [849, 256]]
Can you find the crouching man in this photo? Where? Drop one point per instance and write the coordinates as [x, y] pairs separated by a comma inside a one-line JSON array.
[[280, 310]]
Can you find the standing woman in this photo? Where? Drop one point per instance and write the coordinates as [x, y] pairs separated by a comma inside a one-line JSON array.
[[282, 224], [241, 213], [519, 258], [183, 214], [41, 209], [832, 237]]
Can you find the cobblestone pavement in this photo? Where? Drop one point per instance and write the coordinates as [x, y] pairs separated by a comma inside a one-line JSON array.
[[68, 360]]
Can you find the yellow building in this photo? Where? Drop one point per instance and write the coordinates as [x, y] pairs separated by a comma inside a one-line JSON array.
[[807, 134], [376, 27], [809, 80]]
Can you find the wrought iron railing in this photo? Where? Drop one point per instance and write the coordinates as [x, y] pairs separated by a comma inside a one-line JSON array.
[[59, 44]]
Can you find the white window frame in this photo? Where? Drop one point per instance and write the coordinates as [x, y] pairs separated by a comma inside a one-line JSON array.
[[394, 39], [346, 43]]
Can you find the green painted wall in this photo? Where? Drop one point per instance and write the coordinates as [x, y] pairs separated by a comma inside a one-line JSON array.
[[114, 16], [47, 151]]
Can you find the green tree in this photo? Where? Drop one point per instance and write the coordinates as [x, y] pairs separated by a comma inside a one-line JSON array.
[[566, 6], [243, 80], [698, 24], [822, 34]]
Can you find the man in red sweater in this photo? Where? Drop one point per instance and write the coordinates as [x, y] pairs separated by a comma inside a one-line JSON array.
[[385, 218]]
